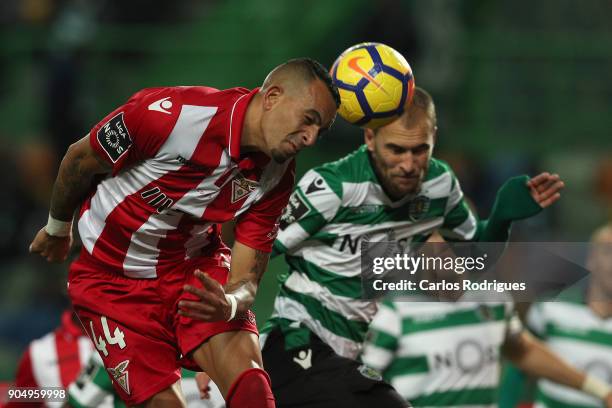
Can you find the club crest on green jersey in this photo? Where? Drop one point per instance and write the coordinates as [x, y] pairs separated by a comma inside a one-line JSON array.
[[418, 207], [370, 373], [296, 209]]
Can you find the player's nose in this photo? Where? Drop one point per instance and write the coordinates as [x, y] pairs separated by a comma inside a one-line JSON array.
[[309, 136], [407, 164]]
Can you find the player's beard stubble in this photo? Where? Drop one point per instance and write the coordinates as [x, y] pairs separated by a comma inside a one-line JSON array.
[[286, 149], [396, 182]]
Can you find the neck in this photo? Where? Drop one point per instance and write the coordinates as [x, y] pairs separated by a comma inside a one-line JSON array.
[[252, 140], [599, 302]]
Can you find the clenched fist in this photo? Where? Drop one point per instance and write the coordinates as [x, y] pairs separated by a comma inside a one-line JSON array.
[[53, 249]]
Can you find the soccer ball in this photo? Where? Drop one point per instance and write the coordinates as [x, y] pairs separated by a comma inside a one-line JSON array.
[[374, 82]]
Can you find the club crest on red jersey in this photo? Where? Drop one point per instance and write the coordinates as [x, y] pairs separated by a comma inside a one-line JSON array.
[[242, 187]]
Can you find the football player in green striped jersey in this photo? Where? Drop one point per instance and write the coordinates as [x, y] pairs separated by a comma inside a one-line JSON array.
[[390, 189], [447, 354], [580, 328]]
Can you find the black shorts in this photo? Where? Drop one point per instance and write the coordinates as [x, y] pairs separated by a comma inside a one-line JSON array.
[[315, 376]]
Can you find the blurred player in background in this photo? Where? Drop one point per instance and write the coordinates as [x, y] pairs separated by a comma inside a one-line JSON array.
[[448, 354], [152, 181], [390, 189], [580, 330], [93, 388], [55, 359]]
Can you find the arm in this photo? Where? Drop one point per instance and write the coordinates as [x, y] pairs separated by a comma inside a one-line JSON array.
[[247, 269], [78, 168], [518, 198], [218, 303], [304, 215], [255, 231], [380, 347], [314, 202], [128, 134], [533, 357]]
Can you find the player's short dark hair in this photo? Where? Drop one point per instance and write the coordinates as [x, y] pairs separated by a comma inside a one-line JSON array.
[[421, 99], [314, 70]]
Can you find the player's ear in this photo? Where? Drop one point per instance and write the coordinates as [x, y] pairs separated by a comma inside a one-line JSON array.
[[368, 135], [271, 96]]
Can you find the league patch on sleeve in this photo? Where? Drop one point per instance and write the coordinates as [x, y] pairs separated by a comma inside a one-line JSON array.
[[295, 210], [114, 137], [316, 185]]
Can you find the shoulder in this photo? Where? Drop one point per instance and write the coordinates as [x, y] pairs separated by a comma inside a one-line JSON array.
[[440, 181], [354, 167], [197, 95], [438, 168], [350, 169], [167, 99]]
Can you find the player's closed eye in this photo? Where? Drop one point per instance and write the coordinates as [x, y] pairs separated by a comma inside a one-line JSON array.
[[396, 149], [421, 149]]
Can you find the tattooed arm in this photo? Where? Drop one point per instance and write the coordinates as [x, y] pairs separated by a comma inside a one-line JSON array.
[[79, 166], [247, 267]]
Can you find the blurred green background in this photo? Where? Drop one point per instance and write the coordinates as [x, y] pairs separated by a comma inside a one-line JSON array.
[[520, 87]]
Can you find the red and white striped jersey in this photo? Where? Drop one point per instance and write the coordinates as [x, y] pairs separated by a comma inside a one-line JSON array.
[[55, 359], [177, 174]]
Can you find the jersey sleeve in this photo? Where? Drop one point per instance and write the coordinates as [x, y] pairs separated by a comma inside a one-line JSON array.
[[536, 319], [136, 130], [514, 325], [459, 220], [380, 347], [314, 202], [258, 226]]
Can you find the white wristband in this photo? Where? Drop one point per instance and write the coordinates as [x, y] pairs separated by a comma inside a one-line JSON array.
[[596, 387], [231, 299], [58, 228]]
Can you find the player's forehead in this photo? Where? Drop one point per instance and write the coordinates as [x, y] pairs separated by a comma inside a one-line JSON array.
[[406, 135]]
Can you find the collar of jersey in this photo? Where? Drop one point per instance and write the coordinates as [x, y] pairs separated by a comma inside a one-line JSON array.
[[237, 121]]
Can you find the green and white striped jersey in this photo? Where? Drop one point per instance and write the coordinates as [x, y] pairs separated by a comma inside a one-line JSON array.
[[94, 388], [584, 339], [441, 354], [335, 208]]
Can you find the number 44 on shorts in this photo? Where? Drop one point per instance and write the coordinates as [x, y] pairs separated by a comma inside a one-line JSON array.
[[116, 338]]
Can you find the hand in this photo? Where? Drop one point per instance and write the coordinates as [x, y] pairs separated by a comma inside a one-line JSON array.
[[212, 305], [203, 381], [54, 249], [544, 188]]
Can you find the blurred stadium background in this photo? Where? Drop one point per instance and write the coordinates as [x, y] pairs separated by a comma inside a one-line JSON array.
[[520, 86]]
